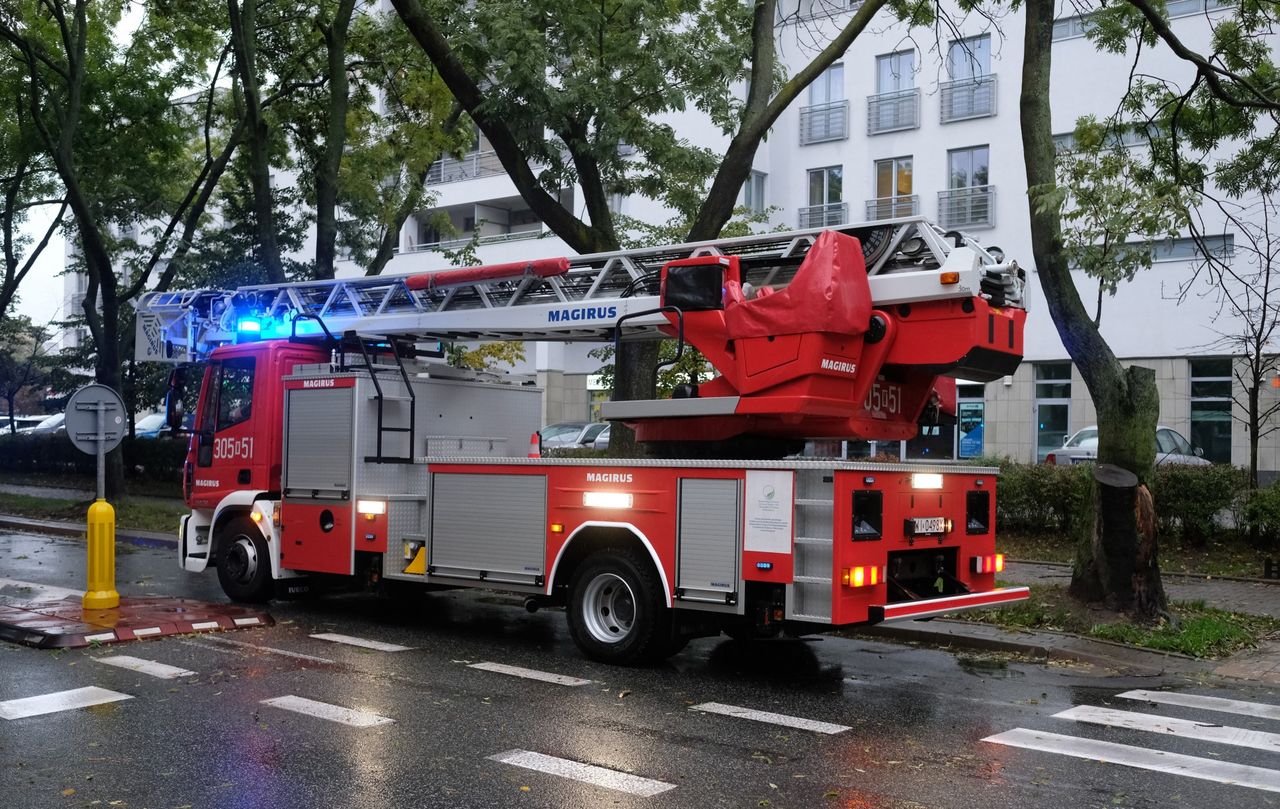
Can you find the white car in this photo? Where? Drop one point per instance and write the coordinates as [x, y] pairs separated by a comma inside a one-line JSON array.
[[1171, 447], [571, 434]]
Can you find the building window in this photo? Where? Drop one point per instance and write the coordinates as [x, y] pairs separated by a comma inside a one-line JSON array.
[[970, 200], [971, 92], [1071, 27], [829, 86], [753, 192], [893, 195], [826, 118], [826, 198], [1186, 249], [1211, 408], [1053, 406], [896, 104]]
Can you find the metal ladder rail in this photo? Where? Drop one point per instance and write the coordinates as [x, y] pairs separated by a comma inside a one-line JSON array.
[[382, 429]]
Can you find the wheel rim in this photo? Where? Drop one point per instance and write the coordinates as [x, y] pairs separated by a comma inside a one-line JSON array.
[[609, 608], [242, 560]]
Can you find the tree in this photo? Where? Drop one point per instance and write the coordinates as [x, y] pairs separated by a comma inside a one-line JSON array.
[[1245, 281], [26, 182], [573, 87], [1231, 93], [23, 361], [93, 101]]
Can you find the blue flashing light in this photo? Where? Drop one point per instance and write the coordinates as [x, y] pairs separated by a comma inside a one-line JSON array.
[[249, 326]]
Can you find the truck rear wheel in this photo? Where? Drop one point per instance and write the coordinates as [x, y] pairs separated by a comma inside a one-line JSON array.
[[244, 568], [617, 609]]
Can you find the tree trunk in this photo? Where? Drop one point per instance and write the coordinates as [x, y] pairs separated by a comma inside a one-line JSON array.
[[335, 140], [640, 360], [244, 33], [1255, 422], [1115, 563]]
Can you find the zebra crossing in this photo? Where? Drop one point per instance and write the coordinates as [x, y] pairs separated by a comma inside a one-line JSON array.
[[1211, 738], [1177, 734]]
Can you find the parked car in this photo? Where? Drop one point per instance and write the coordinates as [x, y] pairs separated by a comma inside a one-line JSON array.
[[48, 426], [21, 423], [602, 440], [1171, 447], [155, 426], [571, 434]]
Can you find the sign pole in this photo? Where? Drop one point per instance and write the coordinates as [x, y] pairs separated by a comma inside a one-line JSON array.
[[95, 419]]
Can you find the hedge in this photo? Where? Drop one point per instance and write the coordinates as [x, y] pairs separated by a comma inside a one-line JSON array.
[[144, 458]]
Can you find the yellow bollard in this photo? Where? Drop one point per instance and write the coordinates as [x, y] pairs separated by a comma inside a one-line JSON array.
[[101, 593]]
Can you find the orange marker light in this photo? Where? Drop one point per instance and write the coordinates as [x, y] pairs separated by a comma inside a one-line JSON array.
[[999, 562], [949, 278], [859, 576], [256, 516], [557, 528], [875, 575]]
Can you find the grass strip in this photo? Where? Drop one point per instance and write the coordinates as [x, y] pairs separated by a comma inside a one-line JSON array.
[[1193, 629], [143, 516]]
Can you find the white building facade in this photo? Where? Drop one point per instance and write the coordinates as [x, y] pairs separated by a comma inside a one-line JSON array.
[[911, 122]]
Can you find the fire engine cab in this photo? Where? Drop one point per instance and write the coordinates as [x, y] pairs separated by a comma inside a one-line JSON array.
[[330, 441]]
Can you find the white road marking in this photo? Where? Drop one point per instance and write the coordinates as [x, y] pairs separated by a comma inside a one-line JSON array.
[[41, 592], [1260, 709], [247, 621], [773, 718], [586, 773], [142, 633], [205, 625], [323, 710], [151, 667], [101, 637], [1203, 731], [268, 649], [367, 644], [1222, 772], [59, 701], [530, 674]]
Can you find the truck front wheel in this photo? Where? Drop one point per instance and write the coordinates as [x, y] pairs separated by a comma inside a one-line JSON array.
[[244, 569], [617, 610]]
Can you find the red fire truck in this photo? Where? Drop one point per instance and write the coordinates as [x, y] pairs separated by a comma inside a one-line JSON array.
[[329, 441]]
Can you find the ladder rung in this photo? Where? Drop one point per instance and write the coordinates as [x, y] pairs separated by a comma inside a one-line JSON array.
[[393, 398], [396, 429]]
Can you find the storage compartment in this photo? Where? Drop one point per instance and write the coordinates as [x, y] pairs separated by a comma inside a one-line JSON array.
[[708, 540], [473, 538], [924, 573]]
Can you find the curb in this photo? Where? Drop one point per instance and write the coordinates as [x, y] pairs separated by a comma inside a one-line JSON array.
[[145, 539], [1177, 574]]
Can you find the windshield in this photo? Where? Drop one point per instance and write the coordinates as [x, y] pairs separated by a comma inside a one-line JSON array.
[[151, 422], [52, 421], [560, 430], [1087, 437], [593, 432]]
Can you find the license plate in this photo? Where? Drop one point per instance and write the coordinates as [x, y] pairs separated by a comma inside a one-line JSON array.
[[927, 525]]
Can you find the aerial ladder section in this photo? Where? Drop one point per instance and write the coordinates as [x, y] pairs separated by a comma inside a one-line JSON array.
[[840, 332]]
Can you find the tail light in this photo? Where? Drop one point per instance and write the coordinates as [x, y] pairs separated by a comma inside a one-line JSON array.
[[989, 564], [1049, 459], [862, 576]]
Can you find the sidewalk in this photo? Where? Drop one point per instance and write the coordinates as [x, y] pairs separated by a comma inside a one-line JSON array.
[[62, 493], [1261, 665]]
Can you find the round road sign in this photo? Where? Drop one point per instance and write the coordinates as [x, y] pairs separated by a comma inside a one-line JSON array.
[[82, 418]]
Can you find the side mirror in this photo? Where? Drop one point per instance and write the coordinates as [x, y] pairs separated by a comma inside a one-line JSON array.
[[1199, 451], [174, 407]]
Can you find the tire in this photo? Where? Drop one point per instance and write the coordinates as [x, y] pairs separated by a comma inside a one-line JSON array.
[[617, 610], [244, 568]]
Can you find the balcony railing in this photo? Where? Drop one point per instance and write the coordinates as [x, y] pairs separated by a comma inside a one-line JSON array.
[[469, 167], [824, 122], [891, 112], [968, 98], [824, 216], [893, 207], [495, 238], [967, 207]]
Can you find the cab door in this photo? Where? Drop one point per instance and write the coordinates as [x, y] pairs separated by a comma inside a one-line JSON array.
[[227, 434]]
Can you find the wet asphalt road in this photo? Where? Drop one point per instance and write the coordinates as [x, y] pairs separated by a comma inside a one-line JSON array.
[[915, 717]]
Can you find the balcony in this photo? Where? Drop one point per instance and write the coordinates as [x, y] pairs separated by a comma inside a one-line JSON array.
[[534, 232], [967, 207], [893, 207], [824, 122], [469, 167], [893, 112], [824, 216], [968, 98]]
